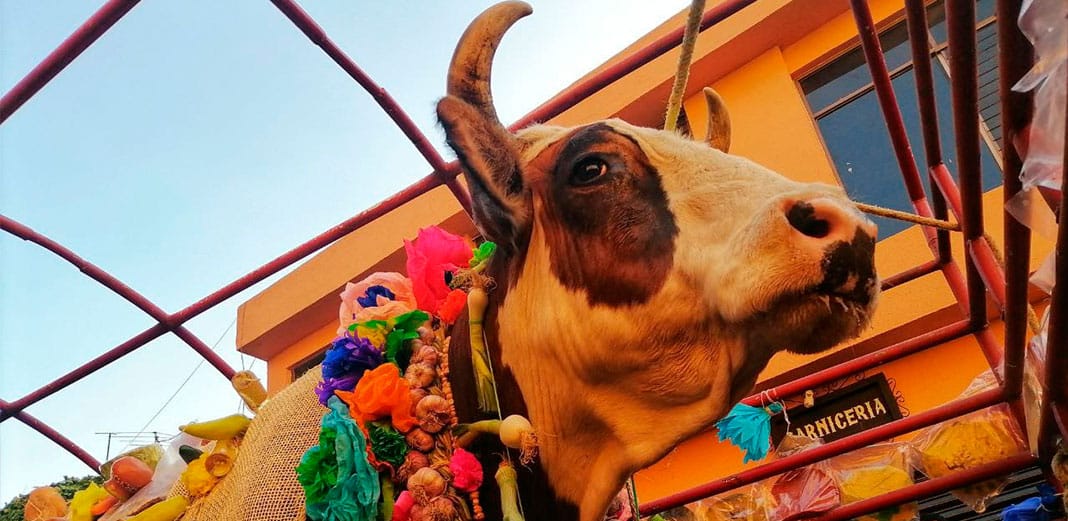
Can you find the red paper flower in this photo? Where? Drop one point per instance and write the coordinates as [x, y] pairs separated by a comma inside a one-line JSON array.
[[466, 471], [453, 306], [433, 253]]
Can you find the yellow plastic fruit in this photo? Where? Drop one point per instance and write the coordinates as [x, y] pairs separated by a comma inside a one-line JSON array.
[[166, 510], [221, 429]]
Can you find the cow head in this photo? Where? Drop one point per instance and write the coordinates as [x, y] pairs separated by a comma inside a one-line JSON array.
[[649, 276]]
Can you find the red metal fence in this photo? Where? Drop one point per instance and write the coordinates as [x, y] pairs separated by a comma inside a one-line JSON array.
[[981, 275]]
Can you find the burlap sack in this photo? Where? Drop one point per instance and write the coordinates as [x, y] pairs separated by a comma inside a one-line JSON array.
[[262, 486]]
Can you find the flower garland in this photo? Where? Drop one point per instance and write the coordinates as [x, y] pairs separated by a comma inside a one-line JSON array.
[[385, 381]]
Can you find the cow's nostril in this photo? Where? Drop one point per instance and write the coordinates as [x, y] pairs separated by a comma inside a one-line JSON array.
[[802, 217]]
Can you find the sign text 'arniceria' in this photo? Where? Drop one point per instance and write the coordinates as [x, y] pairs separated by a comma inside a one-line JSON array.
[[852, 409]]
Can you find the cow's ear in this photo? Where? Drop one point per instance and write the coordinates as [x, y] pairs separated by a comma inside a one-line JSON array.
[[491, 164], [718, 132]]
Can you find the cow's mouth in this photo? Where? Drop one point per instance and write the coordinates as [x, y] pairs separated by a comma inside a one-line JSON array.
[[815, 319]]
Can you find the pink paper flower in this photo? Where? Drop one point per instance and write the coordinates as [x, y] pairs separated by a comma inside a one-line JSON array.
[[466, 471], [433, 253], [371, 289], [402, 506]]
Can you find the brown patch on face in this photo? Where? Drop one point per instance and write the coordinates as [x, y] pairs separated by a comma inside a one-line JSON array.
[[606, 218]]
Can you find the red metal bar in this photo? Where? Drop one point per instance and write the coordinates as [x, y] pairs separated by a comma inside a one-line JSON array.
[[910, 274], [631, 63], [108, 281], [896, 428], [960, 21], [979, 251], [58, 59], [55, 436], [929, 488], [318, 36], [316, 243], [183, 316], [1013, 60], [921, 67], [84, 370], [1055, 398], [863, 363], [884, 89]]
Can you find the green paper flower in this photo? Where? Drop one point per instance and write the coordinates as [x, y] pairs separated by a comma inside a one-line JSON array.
[[387, 444]]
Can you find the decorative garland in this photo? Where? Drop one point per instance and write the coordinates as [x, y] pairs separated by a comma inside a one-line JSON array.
[[387, 449]]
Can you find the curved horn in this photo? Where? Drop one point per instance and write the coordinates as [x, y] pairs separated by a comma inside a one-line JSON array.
[[469, 72], [718, 131]]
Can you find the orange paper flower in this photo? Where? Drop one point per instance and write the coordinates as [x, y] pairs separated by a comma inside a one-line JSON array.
[[453, 306], [381, 392]]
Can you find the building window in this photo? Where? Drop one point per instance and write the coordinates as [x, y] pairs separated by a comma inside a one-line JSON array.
[[843, 102], [309, 363]]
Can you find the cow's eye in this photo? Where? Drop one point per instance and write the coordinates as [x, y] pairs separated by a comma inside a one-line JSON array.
[[588, 171]]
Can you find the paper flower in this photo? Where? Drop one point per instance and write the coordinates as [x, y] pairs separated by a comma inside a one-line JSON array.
[[749, 428], [466, 471], [453, 305], [431, 255], [326, 388], [387, 444], [402, 506], [381, 392], [380, 296], [338, 481], [351, 356]]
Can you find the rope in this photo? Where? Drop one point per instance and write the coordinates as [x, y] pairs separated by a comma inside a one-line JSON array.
[[1032, 317], [909, 217], [682, 74]]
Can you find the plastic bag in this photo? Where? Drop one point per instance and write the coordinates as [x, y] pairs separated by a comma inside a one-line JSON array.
[[749, 503], [873, 471], [969, 441], [803, 492], [169, 467], [1034, 376], [1045, 24]]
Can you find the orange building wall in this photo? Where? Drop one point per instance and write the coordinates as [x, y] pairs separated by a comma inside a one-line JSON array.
[[772, 124]]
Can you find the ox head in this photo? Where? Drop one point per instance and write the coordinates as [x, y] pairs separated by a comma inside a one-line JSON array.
[[650, 277]]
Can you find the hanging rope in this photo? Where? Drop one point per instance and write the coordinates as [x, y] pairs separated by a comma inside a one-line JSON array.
[[682, 73]]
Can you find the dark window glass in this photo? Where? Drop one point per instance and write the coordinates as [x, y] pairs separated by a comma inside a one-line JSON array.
[[854, 129], [309, 363], [860, 147]]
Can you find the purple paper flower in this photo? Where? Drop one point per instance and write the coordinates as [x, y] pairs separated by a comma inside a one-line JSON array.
[[351, 356], [370, 298], [326, 388]]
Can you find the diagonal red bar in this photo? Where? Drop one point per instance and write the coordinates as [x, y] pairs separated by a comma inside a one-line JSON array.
[[318, 36], [55, 436], [108, 281], [67, 51]]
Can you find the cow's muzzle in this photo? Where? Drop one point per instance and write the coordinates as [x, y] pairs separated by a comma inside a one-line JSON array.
[[846, 239]]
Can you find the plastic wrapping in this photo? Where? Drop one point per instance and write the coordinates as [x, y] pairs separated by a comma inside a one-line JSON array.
[[969, 441], [874, 471], [168, 468], [1045, 23], [802, 493], [749, 503], [1034, 375]]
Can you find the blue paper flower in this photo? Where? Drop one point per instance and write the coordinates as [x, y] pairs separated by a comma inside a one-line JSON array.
[[749, 428], [351, 355], [370, 298]]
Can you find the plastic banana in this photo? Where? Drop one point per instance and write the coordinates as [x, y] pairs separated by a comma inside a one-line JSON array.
[[166, 510], [220, 429]]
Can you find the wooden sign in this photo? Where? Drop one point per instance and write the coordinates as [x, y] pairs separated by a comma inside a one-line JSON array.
[[852, 409]]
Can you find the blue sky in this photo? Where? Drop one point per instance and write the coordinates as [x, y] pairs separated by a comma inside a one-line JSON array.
[[197, 140]]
